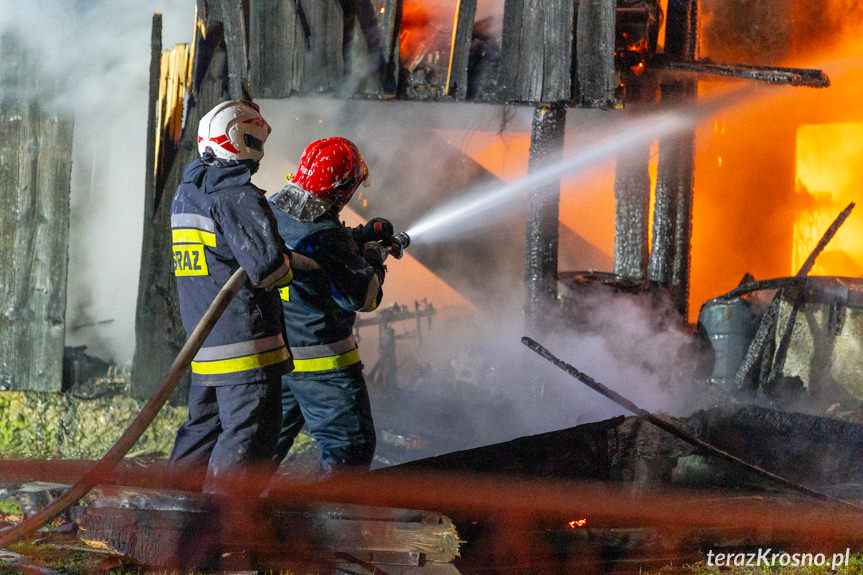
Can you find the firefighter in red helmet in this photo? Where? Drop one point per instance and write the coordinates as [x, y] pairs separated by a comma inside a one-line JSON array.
[[326, 391]]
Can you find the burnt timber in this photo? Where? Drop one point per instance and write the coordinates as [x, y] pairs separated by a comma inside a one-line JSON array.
[[258, 533], [550, 55], [630, 453]]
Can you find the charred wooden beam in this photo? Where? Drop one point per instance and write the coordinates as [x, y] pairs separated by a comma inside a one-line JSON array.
[[536, 51], [149, 260], [631, 213], [390, 49], [546, 145], [771, 74], [595, 53], [159, 333], [766, 325], [152, 112], [680, 432], [683, 176], [681, 42], [672, 223], [232, 533], [457, 77]]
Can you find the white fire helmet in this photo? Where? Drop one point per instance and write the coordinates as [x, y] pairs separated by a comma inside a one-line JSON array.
[[234, 130]]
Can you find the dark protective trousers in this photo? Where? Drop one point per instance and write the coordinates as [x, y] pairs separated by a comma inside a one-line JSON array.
[[334, 405], [230, 435]]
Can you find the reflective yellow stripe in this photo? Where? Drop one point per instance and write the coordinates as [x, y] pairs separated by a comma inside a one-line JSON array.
[[285, 281], [241, 363], [190, 260], [375, 302], [193, 236], [284, 293], [325, 363]]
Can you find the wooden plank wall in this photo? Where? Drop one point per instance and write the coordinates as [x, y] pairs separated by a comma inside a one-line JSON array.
[[297, 48], [272, 34], [536, 51], [35, 183]]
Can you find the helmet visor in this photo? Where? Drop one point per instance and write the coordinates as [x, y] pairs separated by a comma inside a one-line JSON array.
[[253, 142]]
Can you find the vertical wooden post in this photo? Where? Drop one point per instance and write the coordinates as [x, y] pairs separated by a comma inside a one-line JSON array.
[[546, 145], [462, 35], [159, 333], [672, 223], [153, 113], [631, 211]]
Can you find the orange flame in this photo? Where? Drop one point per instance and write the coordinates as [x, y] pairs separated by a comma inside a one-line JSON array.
[[578, 523], [827, 155]]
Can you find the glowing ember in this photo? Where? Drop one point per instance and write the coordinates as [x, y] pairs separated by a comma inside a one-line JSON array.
[[578, 523]]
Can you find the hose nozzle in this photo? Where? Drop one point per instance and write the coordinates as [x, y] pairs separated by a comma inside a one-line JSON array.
[[399, 243]]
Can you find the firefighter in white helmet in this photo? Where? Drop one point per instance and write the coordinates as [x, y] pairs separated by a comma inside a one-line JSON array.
[[221, 221]]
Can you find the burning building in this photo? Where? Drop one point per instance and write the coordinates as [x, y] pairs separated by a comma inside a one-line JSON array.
[[589, 168]]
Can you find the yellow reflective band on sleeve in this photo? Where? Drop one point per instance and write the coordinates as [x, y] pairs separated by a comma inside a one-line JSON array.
[[190, 260], [375, 302], [193, 236], [285, 293], [285, 281], [325, 363], [241, 363]]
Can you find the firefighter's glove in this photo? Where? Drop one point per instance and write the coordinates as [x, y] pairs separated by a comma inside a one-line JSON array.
[[376, 230], [375, 254], [286, 278]]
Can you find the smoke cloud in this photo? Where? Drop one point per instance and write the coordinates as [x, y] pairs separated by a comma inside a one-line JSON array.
[[97, 54], [473, 370], [471, 381]]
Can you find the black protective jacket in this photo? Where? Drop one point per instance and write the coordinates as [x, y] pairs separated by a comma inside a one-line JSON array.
[[219, 222], [320, 306]]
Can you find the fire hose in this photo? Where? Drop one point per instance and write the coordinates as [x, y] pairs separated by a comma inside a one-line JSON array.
[[677, 430], [145, 417]]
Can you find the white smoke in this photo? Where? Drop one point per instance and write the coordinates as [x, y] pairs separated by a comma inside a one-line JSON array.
[[101, 50], [98, 54], [471, 379]]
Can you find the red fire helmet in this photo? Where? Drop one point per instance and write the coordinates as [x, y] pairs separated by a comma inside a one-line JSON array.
[[332, 169]]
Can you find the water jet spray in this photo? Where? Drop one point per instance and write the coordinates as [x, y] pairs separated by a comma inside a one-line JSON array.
[[439, 224]]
